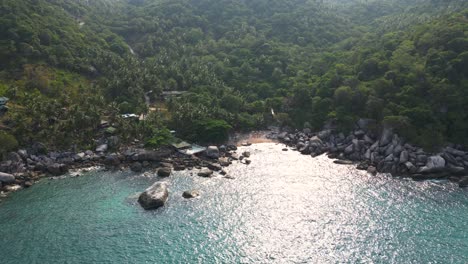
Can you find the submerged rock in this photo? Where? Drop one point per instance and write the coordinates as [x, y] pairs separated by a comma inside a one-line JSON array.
[[154, 197]]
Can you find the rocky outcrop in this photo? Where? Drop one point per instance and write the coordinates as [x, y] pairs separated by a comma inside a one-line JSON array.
[[383, 152], [154, 197]]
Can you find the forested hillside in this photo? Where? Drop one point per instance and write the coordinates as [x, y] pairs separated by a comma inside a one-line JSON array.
[[67, 64]]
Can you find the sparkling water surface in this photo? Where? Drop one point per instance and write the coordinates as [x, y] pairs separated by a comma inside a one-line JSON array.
[[282, 208]]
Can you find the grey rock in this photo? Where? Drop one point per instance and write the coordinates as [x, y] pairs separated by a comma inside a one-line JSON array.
[[365, 123], [404, 156], [359, 133], [234, 156], [191, 194], [343, 162], [6, 178], [57, 169], [205, 172], [112, 160], [14, 157], [164, 172], [397, 150], [386, 137], [136, 167], [433, 164], [372, 170], [23, 154], [214, 166], [102, 148], [349, 149], [113, 142], [315, 140], [325, 134], [246, 154], [212, 152], [224, 162], [154, 197], [150, 155], [389, 149], [463, 183], [455, 152], [389, 158]]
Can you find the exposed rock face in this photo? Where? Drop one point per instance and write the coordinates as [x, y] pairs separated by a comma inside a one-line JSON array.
[[212, 152], [6, 178], [191, 194], [154, 197], [164, 172]]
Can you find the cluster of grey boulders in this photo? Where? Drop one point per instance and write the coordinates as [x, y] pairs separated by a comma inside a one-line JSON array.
[[384, 152], [208, 164], [22, 168]]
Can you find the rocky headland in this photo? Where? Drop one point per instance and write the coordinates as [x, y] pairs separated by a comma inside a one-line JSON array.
[[382, 151]]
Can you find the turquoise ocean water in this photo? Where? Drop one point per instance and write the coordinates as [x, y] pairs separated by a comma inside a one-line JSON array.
[[283, 208]]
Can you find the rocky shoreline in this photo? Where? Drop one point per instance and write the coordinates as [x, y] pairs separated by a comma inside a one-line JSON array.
[[384, 152], [23, 168]]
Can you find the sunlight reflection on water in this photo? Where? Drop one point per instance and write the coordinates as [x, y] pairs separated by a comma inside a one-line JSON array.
[[282, 208]]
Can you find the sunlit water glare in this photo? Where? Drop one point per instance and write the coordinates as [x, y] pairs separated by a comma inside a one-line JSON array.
[[282, 208]]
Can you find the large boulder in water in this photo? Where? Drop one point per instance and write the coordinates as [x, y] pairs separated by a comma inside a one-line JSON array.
[[154, 197], [6, 178]]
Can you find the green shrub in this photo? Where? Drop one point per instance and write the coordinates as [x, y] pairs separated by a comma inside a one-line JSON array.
[[212, 130], [160, 138], [7, 143]]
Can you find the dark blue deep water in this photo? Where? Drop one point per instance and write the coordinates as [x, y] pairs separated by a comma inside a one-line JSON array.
[[283, 208]]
